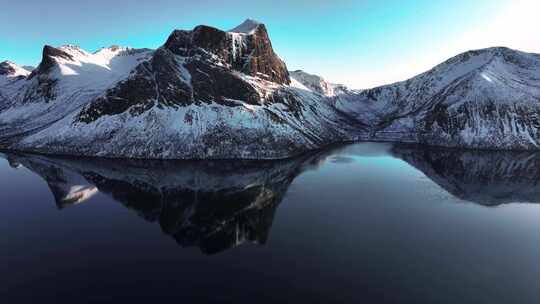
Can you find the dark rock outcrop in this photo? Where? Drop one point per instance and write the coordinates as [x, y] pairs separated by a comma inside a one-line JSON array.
[[249, 53], [262, 59]]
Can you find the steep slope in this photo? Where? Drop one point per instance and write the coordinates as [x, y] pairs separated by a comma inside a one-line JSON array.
[[480, 99], [205, 93]]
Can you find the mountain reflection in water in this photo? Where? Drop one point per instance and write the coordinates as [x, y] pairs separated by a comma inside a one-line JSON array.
[[214, 205], [217, 205], [488, 178]]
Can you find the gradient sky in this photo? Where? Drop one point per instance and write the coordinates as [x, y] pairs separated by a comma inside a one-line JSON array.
[[358, 43]]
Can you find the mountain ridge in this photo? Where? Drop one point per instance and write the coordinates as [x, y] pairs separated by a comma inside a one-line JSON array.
[[208, 93]]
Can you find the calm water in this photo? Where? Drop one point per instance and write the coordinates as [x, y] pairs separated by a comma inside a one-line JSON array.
[[366, 222]]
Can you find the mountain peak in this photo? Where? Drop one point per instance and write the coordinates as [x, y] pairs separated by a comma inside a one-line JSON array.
[[47, 59], [12, 69], [249, 26], [50, 51], [246, 48]]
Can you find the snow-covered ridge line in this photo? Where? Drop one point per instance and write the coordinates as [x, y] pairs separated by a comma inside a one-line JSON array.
[[207, 93], [479, 99]]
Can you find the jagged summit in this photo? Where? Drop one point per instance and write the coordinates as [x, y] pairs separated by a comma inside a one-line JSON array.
[[251, 54], [249, 26]]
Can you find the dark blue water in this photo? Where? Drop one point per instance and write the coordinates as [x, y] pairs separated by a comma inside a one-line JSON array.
[[373, 223]]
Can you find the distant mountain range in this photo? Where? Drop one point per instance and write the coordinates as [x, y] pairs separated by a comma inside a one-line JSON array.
[[208, 93]]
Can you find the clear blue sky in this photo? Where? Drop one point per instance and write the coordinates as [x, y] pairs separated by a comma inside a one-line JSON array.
[[360, 43]]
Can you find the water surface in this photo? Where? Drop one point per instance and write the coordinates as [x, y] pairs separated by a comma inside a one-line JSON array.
[[361, 223]]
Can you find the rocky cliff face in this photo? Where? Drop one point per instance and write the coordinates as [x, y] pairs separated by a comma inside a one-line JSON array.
[[246, 49]]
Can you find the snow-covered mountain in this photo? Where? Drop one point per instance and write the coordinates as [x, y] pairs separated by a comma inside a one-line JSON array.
[[66, 80], [486, 98], [205, 93], [208, 93]]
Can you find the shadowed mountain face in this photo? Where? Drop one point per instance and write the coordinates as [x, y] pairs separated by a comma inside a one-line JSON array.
[[214, 205], [488, 178]]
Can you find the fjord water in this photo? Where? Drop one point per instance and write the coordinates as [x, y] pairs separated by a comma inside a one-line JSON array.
[[369, 222]]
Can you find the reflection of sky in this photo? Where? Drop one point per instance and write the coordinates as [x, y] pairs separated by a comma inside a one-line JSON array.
[[360, 43], [375, 155]]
